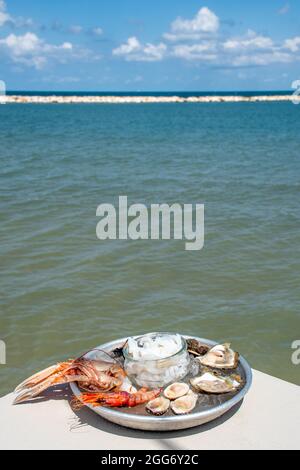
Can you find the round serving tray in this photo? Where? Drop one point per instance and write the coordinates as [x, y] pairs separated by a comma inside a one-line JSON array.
[[208, 408]]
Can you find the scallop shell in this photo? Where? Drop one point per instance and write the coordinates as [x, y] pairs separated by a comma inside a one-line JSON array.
[[185, 404], [211, 383], [158, 406], [176, 390], [220, 357]]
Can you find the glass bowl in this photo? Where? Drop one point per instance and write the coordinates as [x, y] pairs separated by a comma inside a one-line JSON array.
[[155, 373]]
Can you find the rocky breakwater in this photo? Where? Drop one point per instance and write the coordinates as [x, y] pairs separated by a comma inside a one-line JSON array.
[[59, 99]]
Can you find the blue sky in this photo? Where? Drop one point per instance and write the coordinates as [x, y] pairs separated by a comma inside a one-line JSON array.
[[123, 45]]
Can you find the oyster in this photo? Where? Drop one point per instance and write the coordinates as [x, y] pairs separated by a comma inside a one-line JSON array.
[[176, 390], [185, 404], [212, 383], [196, 348], [158, 406], [220, 357]]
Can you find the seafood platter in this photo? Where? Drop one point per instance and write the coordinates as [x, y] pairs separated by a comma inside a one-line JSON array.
[[154, 382]]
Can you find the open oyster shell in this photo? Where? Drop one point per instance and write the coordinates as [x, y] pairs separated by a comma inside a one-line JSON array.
[[176, 390], [211, 383], [220, 357], [158, 406], [185, 404]]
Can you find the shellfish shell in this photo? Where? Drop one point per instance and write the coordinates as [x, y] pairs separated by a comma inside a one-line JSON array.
[[211, 383], [158, 406], [176, 390], [196, 348], [220, 357], [185, 404]]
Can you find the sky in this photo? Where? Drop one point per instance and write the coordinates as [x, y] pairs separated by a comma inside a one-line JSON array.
[[133, 45]]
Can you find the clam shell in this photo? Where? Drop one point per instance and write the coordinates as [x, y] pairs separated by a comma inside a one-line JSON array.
[[220, 357], [210, 383], [176, 390], [185, 404], [158, 406]]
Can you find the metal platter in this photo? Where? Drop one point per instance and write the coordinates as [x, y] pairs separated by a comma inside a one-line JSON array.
[[208, 408]]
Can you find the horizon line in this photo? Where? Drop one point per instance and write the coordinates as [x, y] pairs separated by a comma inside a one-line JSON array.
[[149, 91]]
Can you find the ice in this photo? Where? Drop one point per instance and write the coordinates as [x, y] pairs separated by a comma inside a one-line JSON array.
[[155, 360], [154, 346], [194, 367]]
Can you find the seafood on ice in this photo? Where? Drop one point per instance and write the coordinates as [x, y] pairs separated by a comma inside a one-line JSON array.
[[152, 361]]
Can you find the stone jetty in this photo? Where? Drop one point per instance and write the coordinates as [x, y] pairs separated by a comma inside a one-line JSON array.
[[60, 99]]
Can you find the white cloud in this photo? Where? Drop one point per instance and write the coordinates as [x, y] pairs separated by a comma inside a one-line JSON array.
[[133, 50], [204, 23], [198, 40], [251, 41], [20, 45], [203, 52], [4, 16], [179, 37], [262, 59], [292, 44], [30, 50], [255, 49], [252, 49], [154, 52], [132, 45], [249, 50]]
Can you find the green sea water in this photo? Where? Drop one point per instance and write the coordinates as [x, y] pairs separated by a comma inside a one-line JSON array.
[[63, 291]]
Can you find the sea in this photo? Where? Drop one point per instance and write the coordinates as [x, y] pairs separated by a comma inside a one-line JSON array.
[[64, 291]]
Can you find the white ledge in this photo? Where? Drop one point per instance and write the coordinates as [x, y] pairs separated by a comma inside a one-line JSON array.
[[268, 418], [146, 99]]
